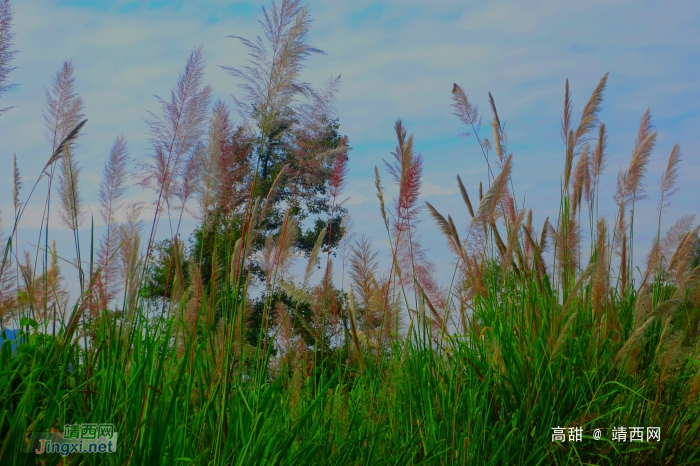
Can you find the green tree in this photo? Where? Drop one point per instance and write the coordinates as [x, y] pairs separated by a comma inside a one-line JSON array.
[[283, 164]]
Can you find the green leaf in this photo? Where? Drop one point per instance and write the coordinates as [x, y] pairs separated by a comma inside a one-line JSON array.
[[25, 321]]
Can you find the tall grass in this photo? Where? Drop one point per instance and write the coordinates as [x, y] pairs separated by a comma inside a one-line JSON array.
[[537, 329]]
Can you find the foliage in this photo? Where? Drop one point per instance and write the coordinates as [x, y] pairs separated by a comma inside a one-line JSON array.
[[159, 277]]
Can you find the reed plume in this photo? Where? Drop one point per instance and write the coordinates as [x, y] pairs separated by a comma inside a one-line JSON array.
[[17, 204], [582, 178], [130, 262], [270, 81], [446, 227], [58, 153], [6, 52], [512, 241], [45, 293], [233, 147], [339, 173], [313, 258], [497, 139], [589, 119], [667, 185], [345, 244], [248, 236], [16, 184], [623, 262], [114, 178], [680, 263], [72, 213], [186, 186], [336, 183], [300, 294], [663, 310], [26, 269], [499, 133], [668, 179], [406, 171], [465, 196], [314, 161], [7, 297], [62, 119], [496, 119], [112, 188], [353, 326], [63, 106], [325, 307], [621, 225], [568, 113], [568, 246], [174, 133], [285, 332], [276, 257], [363, 269], [275, 189], [210, 179], [629, 182], [643, 147], [598, 159], [320, 107], [673, 238], [467, 112], [380, 196], [489, 202], [530, 235], [411, 256], [57, 295], [547, 236]]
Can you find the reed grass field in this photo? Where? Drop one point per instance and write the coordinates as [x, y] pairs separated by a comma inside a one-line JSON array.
[[274, 334]]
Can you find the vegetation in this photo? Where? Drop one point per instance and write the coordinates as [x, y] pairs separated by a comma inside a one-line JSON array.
[[537, 329]]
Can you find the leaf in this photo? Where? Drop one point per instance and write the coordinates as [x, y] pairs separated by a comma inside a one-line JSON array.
[[25, 321]]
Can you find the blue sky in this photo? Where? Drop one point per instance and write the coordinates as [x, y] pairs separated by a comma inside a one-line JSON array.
[[397, 59]]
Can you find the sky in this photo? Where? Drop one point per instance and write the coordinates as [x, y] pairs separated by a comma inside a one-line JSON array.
[[397, 59]]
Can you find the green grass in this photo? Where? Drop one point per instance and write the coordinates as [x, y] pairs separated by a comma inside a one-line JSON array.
[[463, 402]]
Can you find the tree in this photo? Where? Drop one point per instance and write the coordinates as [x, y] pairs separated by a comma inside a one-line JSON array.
[[282, 166], [280, 161]]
